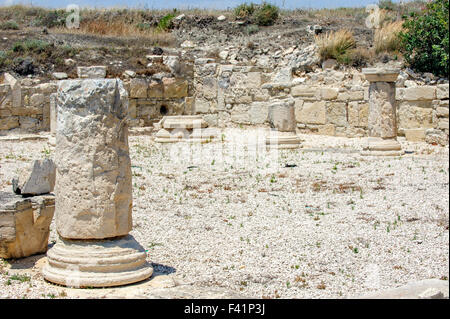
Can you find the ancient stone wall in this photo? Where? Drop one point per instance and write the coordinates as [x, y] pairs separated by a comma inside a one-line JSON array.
[[327, 102]]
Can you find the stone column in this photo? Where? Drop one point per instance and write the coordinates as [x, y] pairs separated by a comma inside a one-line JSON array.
[[93, 189], [382, 113], [283, 124]]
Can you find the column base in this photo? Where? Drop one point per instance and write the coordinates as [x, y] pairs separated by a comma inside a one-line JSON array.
[[97, 263], [283, 140], [377, 146]]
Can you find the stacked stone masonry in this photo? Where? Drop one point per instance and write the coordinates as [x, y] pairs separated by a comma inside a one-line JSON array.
[[328, 102]]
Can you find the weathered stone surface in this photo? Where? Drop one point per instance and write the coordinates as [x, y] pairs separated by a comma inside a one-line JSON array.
[[105, 263], [436, 137], [337, 113], [138, 88], [175, 88], [414, 114], [419, 93], [442, 91], [282, 116], [24, 224], [91, 72], [93, 176], [415, 135], [312, 113], [304, 91], [258, 113], [328, 93], [380, 74], [382, 113], [36, 179]]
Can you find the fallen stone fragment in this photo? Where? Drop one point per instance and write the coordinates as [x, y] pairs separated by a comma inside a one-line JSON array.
[[24, 224], [36, 179], [91, 72]]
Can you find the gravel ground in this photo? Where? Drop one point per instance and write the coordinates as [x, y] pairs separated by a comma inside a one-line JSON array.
[[335, 225]]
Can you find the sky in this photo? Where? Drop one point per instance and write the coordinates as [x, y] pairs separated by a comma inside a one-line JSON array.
[[184, 4]]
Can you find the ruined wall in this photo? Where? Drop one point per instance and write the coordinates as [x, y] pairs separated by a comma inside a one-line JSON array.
[[25, 108], [327, 102]]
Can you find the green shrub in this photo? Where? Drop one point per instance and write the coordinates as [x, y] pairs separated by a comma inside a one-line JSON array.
[[9, 25], [244, 11], [36, 46], [166, 22], [266, 14], [425, 40], [53, 18]]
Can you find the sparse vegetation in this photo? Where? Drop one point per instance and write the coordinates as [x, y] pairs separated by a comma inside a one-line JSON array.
[[387, 38], [335, 44], [9, 25], [263, 15]]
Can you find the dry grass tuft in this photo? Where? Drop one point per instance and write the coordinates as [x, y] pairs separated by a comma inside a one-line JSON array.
[[334, 44], [387, 37]]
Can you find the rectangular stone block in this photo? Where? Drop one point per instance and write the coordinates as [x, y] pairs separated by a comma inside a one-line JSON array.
[[415, 135], [138, 88], [312, 113], [419, 93], [175, 88], [337, 113], [442, 91], [328, 93], [413, 115], [306, 92], [91, 72]]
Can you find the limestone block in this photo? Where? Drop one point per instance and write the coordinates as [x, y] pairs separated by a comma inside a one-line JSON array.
[[306, 92], [443, 124], [419, 93], [208, 89], [202, 106], [175, 88], [155, 89], [442, 111], [138, 88], [258, 113], [327, 129], [415, 135], [313, 113], [36, 179], [91, 72], [37, 100], [414, 115], [9, 123], [282, 116], [434, 136], [337, 113], [24, 224], [329, 93], [16, 89], [442, 91], [239, 114], [93, 176]]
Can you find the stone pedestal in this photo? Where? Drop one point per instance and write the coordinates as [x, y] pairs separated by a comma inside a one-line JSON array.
[[382, 113], [186, 128], [94, 189], [283, 124]]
